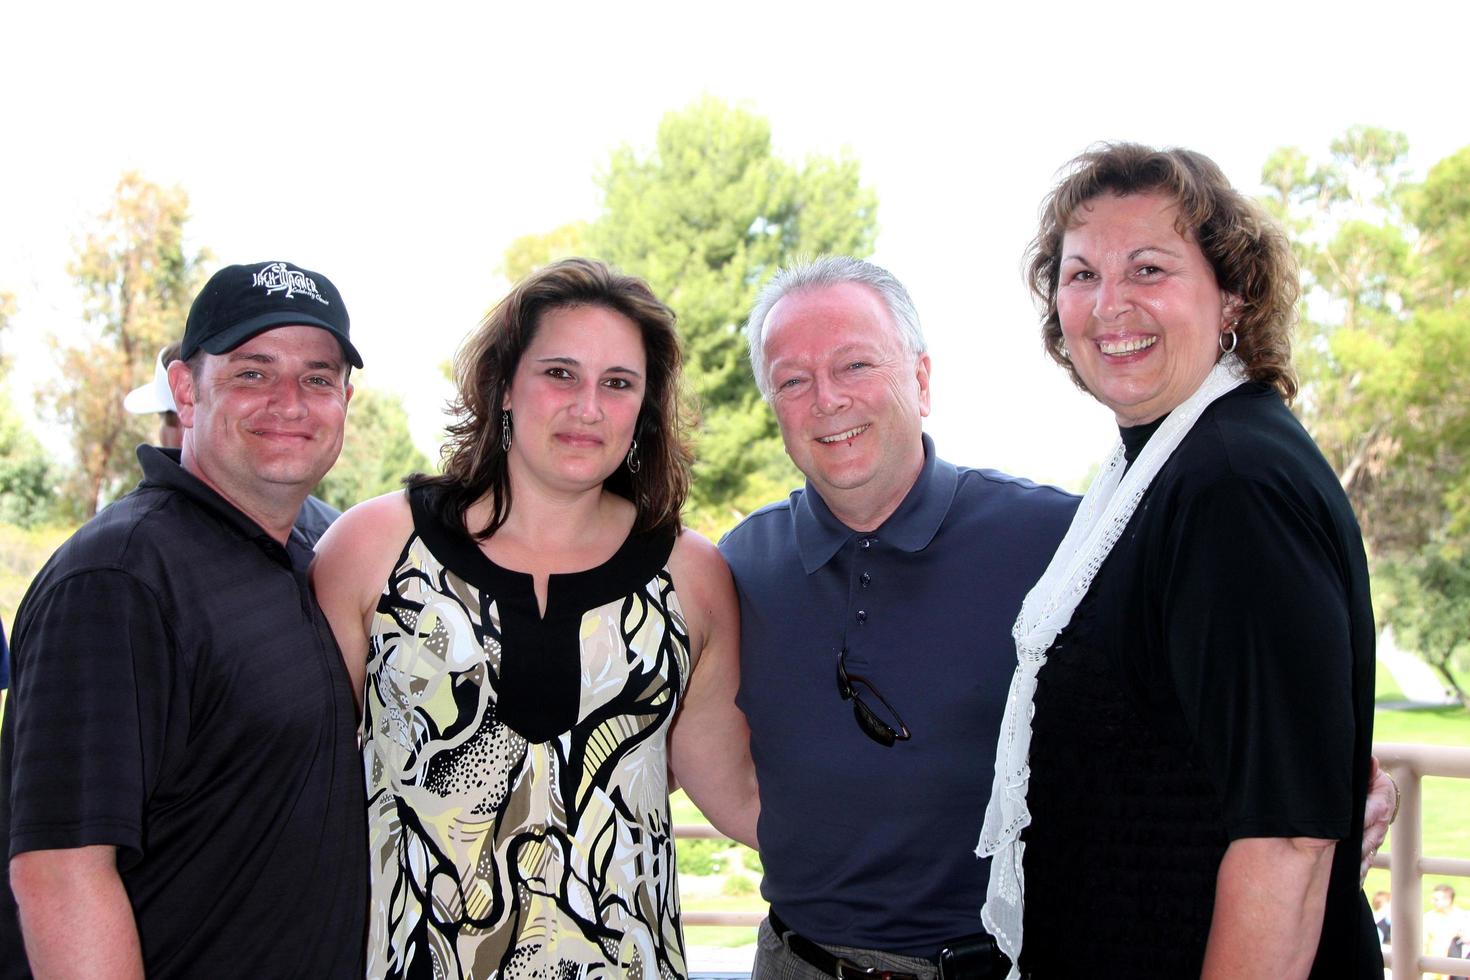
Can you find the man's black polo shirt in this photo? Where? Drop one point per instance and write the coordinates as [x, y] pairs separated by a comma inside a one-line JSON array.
[[177, 693]]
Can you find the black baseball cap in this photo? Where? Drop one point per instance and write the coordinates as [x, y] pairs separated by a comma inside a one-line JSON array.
[[240, 301]]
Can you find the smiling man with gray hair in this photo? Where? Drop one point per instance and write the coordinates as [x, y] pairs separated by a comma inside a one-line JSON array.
[[876, 606]]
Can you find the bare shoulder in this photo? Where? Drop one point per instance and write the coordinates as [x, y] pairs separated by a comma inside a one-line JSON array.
[[706, 590], [696, 561], [359, 548], [373, 521]]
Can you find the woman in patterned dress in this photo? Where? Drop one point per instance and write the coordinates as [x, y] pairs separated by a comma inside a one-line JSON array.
[[539, 646]]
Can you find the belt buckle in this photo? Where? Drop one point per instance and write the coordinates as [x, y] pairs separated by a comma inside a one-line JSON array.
[[847, 968]]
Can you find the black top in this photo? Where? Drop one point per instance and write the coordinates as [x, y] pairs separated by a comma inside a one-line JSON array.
[[540, 684], [1215, 683], [178, 694]]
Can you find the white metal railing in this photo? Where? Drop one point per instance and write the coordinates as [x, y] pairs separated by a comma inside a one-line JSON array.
[[1406, 863], [702, 831]]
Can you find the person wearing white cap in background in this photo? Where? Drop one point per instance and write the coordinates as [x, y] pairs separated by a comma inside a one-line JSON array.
[[155, 398]]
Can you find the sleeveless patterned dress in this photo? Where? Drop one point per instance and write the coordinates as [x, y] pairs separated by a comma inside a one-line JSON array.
[[518, 813]]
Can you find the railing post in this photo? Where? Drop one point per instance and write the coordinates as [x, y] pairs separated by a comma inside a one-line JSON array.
[[1407, 918]]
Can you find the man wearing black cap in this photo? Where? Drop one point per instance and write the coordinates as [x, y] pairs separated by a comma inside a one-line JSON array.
[[179, 785], [157, 398]]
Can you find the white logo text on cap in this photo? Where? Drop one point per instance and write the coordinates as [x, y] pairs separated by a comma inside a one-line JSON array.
[[279, 276]]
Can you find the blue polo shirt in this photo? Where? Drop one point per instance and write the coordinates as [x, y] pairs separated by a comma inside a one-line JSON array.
[[865, 845]]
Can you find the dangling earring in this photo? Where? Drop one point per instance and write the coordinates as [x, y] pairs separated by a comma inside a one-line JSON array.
[[1062, 350], [1234, 340], [505, 432], [634, 463]]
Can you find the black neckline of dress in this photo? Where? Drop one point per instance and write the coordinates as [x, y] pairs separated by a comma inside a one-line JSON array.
[[638, 559], [1135, 437]]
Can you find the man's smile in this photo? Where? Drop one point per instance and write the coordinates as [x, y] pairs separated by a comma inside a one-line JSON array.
[[846, 435]]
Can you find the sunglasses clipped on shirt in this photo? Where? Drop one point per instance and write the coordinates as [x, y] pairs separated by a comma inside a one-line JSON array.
[[868, 720]]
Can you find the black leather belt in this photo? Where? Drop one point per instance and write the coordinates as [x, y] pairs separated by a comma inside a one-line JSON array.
[[829, 963]]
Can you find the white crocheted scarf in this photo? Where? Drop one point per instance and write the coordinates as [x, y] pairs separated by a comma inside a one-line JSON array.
[[1100, 520]]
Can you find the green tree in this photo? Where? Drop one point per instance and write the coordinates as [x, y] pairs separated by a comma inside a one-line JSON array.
[[1441, 210], [377, 451], [1383, 351], [7, 310], [1359, 273], [27, 492], [530, 252], [27, 485], [137, 279], [706, 217], [1430, 609]]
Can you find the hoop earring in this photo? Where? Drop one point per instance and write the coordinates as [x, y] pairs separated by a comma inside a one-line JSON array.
[[1234, 341], [505, 432], [634, 463]]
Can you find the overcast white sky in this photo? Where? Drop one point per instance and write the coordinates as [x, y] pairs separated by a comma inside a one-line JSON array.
[[399, 148]]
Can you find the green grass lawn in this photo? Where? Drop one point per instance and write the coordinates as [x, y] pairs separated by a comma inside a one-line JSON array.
[[1446, 801], [683, 810], [1447, 725]]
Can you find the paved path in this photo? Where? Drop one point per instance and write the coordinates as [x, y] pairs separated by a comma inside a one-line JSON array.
[[1420, 682]]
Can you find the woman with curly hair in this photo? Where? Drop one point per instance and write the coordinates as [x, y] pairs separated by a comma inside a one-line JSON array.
[[1187, 740]]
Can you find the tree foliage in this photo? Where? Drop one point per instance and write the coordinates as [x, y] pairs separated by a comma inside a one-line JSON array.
[[1362, 270], [27, 492], [377, 451], [7, 310], [1429, 605], [27, 487], [137, 279], [706, 216], [530, 252], [1383, 351], [1440, 208]]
